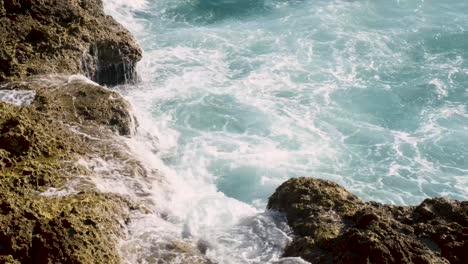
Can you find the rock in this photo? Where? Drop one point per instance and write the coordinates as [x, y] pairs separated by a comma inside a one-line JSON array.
[[64, 36], [176, 252], [76, 100], [51, 151], [334, 226], [41, 144], [50, 207], [39, 229]]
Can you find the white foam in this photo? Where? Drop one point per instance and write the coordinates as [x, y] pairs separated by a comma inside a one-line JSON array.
[[297, 125], [17, 97], [190, 202], [53, 192], [80, 78], [290, 261], [440, 88], [122, 10]]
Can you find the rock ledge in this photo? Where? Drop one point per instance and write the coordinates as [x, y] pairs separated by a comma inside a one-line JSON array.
[[64, 36], [334, 226]]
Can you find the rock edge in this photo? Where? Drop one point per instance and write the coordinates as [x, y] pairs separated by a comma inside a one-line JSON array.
[[65, 36], [334, 226]]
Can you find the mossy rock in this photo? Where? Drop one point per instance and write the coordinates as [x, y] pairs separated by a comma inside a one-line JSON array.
[[74, 100]]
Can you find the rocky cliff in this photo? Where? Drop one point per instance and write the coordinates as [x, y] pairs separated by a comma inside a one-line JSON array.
[[334, 226], [64, 36]]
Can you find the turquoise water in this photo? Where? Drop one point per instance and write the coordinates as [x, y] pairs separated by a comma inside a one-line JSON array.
[[246, 94]]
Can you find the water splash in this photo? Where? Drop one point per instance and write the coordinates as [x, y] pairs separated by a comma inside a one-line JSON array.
[[17, 97], [371, 94]]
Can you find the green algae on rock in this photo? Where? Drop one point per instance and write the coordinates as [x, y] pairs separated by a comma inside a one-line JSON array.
[[334, 226], [64, 36]]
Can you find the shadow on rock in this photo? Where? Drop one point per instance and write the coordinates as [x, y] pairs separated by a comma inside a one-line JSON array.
[[334, 226]]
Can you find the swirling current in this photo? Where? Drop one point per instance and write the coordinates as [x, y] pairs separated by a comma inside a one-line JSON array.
[[237, 96]]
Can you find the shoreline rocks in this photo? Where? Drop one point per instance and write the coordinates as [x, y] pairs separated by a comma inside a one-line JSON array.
[[67, 37], [334, 226], [61, 145], [42, 218], [50, 209]]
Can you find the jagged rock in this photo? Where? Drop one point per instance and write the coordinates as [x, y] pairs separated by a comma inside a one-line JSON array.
[[38, 152], [50, 209], [37, 229], [69, 119], [334, 226], [64, 36], [76, 100]]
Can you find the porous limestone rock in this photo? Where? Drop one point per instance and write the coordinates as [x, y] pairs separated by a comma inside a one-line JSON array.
[[40, 146], [64, 36], [334, 226]]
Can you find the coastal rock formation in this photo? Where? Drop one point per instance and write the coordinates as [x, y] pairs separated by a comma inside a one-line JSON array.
[[74, 99], [42, 218], [50, 211], [64, 36], [52, 150], [60, 143], [334, 226]]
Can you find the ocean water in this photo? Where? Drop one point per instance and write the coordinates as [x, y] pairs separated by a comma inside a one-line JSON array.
[[237, 96]]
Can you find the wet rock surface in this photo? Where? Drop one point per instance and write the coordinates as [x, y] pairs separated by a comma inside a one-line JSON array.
[[76, 100], [42, 219], [52, 153], [60, 136], [334, 226], [175, 251], [64, 36]]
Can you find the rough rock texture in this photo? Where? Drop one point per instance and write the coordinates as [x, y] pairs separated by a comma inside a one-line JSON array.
[[51, 152], [334, 226], [42, 220], [64, 36], [75, 100], [81, 228], [164, 251], [61, 150]]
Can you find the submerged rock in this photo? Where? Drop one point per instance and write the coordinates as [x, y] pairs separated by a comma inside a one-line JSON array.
[[64, 36], [334, 226]]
